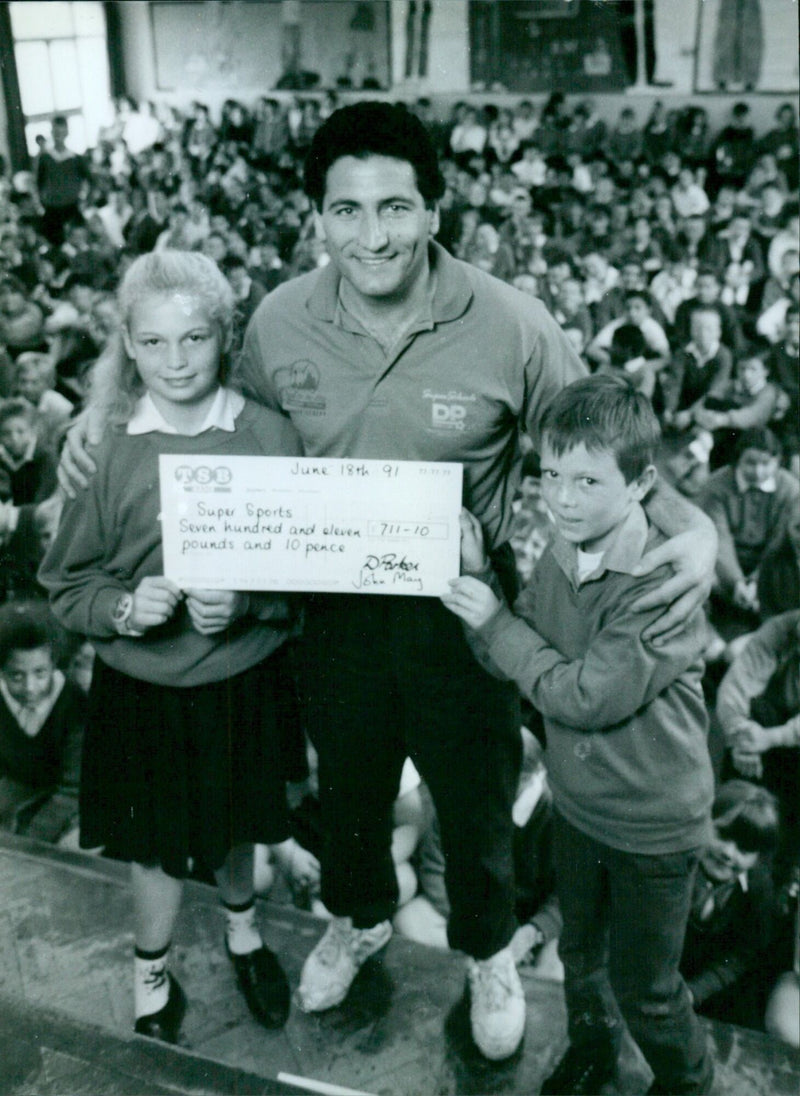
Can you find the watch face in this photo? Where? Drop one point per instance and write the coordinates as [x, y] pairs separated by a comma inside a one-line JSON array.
[[122, 608]]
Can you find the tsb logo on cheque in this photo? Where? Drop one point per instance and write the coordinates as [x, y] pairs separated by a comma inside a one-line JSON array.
[[203, 475]]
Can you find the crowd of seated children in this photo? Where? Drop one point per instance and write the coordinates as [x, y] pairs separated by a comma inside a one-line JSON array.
[[667, 251]]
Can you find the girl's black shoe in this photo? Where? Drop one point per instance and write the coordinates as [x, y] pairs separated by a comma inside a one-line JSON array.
[[165, 1024], [263, 983]]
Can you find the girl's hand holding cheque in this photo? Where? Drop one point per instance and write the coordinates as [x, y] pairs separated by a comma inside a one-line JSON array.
[[154, 601]]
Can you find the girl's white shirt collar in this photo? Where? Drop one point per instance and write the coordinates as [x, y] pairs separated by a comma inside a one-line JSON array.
[[222, 415]]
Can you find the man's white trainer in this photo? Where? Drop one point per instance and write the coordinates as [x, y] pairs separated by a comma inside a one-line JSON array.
[[497, 1009], [329, 970]]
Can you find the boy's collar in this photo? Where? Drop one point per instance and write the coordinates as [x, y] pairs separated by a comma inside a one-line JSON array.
[[700, 356], [15, 463], [769, 486], [622, 555]]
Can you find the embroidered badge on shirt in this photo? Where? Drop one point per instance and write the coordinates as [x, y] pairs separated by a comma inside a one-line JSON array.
[[298, 388]]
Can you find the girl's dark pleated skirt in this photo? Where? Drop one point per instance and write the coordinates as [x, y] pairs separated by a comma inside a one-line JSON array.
[[172, 775]]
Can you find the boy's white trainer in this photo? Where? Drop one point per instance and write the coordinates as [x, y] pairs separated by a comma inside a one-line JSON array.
[[497, 1010], [330, 968]]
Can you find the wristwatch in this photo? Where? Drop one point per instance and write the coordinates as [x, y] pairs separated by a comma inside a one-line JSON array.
[[120, 615]]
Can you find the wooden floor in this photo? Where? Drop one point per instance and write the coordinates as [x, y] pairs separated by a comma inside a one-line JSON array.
[[66, 1011]]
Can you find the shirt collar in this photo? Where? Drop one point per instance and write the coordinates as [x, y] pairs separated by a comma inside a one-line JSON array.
[[222, 415], [15, 464], [769, 486], [699, 356], [450, 296], [622, 554]]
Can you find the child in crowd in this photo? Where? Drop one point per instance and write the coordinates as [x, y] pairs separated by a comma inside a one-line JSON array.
[[638, 312], [750, 400], [750, 502], [703, 367], [625, 722], [26, 533], [729, 932], [34, 380], [758, 707], [28, 465], [42, 718], [779, 573], [190, 716], [784, 368], [21, 319]]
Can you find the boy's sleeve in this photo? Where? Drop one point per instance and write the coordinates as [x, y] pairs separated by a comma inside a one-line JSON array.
[[618, 674], [475, 639]]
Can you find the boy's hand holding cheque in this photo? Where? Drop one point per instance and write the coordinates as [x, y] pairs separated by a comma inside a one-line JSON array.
[[470, 598]]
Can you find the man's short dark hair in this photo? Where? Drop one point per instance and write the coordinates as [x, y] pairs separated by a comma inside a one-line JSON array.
[[604, 413], [373, 128]]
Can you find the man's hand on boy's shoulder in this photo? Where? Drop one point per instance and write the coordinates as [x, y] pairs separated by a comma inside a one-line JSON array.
[[692, 555]]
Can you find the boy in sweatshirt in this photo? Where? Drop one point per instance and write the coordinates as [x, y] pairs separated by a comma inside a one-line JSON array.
[[626, 729]]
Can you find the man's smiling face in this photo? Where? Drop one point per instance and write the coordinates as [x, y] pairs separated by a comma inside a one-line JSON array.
[[376, 225]]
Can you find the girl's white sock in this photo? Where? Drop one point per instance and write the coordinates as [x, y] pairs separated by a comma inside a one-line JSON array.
[[150, 981], [240, 928]]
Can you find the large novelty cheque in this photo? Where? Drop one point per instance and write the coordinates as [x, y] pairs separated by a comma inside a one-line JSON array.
[[310, 524]]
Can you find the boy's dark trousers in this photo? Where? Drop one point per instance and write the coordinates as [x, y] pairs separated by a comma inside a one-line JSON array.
[[624, 924], [383, 678]]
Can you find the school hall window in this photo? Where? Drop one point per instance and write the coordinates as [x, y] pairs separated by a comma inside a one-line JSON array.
[[62, 66]]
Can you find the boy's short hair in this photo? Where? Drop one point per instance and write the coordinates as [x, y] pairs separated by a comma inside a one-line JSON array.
[[16, 408], [38, 360], [232, 262], [604, 413], [627, 342], [757, 437], [26, 626], [373, 128], [638, 295], [746, 814]]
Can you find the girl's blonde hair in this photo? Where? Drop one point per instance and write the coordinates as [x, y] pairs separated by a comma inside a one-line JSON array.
[[115, 385]]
